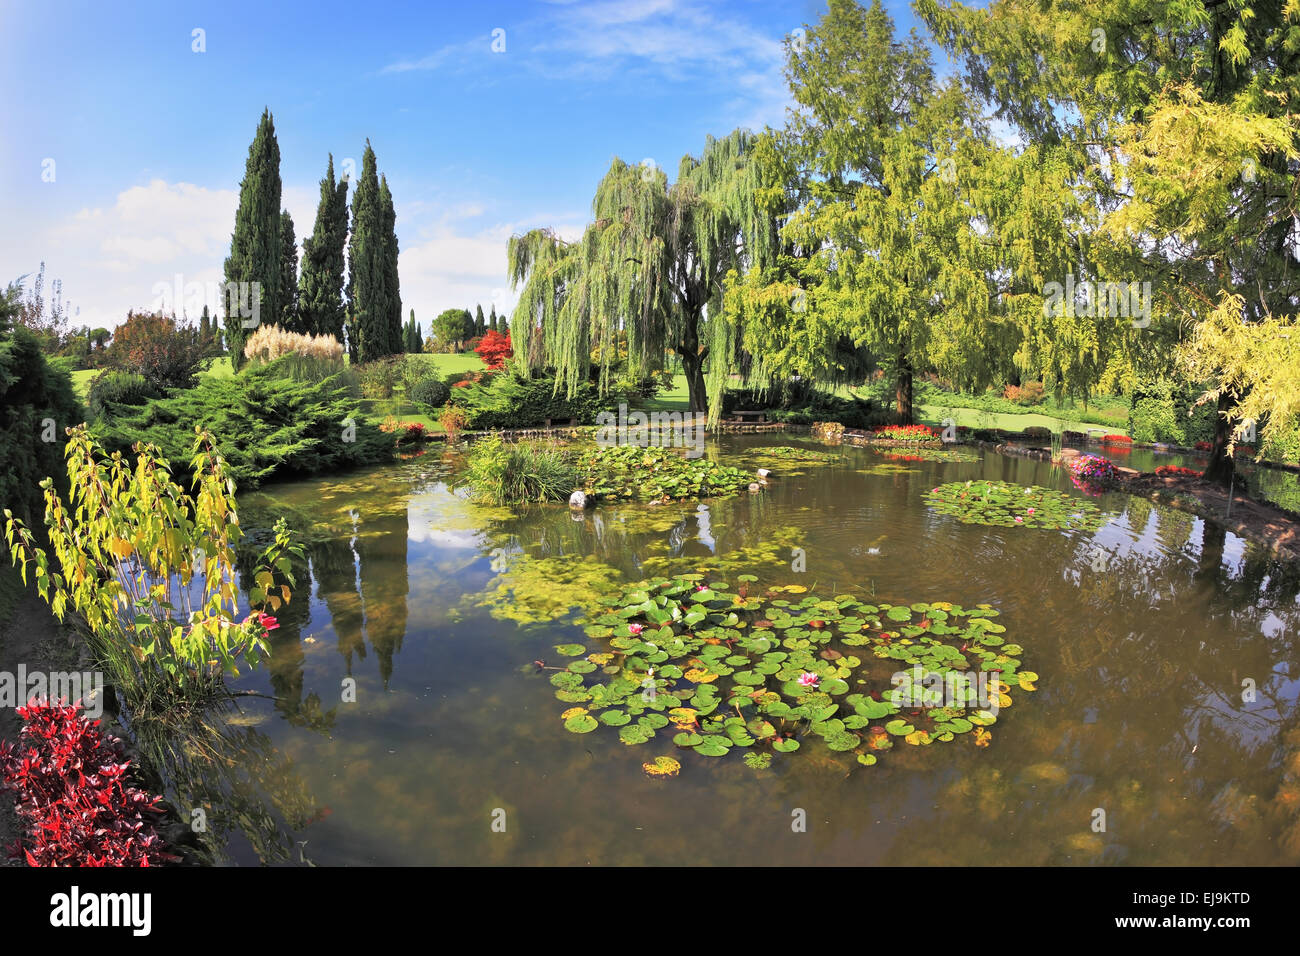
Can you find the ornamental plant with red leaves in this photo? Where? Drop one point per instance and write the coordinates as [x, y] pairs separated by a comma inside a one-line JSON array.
[[1116, 440], [1173, 471], [906, 432], [494, 350], [72, 791]]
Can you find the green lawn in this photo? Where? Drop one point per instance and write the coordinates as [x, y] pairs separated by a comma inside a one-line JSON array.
[[976, 418], [81, 378]]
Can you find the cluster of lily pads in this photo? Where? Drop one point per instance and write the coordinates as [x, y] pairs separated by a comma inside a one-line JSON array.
[[629, 472], [1007, 505], [922, 453], [765, 671], [791, 453]]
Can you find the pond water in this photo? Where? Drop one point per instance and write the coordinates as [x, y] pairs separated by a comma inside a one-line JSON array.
[[437, 609], [1275, 485]]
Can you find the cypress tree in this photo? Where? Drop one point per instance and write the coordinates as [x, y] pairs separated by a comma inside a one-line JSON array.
[[492, 319], [392, 288], [288, 317], [480, 324], [320, 288], [413, 340], [255, 249], [365, 272]]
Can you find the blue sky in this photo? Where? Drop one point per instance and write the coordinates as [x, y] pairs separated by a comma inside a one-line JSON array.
[[148, 138]]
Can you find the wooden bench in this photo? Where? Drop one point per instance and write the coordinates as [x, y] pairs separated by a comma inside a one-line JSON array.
[[746, 416]]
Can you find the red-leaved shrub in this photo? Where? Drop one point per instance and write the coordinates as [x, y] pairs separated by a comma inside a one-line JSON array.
[[72, 792]]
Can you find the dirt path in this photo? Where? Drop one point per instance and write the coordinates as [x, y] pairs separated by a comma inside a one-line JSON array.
[[31, 636]]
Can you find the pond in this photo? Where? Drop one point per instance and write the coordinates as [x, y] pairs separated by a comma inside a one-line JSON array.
[[451, 749]]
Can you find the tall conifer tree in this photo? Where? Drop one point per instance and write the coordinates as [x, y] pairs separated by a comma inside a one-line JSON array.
[[320, 289], [255, 246], [288, 317]]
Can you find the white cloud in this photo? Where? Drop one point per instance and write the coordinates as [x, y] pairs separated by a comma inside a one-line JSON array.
[[117, 257], [456, 267]]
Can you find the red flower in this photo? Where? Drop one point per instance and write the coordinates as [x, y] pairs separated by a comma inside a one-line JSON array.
[[265, 620]]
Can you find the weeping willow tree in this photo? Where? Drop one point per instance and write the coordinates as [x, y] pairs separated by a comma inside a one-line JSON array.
[[647, 274]]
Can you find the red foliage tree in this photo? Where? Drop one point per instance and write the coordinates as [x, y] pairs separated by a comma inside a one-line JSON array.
[[156, 346], [494, 350]]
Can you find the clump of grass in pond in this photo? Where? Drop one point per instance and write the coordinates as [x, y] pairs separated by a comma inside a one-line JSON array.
[[766, 671], [653, 474], [1007, 505], [502, 473]]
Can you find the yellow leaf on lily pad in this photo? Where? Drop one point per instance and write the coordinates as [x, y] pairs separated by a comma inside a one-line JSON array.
[[697, 676], [600, 658], [1027, 679], [982, 737], [683, 717], [661, 767], [918, 738], [573, 712]]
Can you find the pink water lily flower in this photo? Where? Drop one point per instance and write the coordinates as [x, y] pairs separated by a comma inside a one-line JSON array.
[[1030, 511], [808, 679], [1019, 520], [635, 629]]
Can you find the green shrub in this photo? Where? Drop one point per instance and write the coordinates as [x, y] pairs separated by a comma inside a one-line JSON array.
[[1038, 433], [501, 473], [415, 369], [429, 393], [111, 387], [1283, 445], [510, 399], [168, 620], [378, 378], [265, 425], [1155, 420], [37, 402]]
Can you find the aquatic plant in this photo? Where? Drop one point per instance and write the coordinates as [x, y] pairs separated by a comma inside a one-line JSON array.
[[655, 474], [502, 473], [769, 670], [790, 453], [931, 454], [1008, 505]]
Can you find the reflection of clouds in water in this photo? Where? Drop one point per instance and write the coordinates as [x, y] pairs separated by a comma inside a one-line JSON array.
[[706, 531], [442, 518]]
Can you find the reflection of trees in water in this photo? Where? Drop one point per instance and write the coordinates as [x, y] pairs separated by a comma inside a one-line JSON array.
[[1150, 671], [243, 785], [381, 563], [627, 536]]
